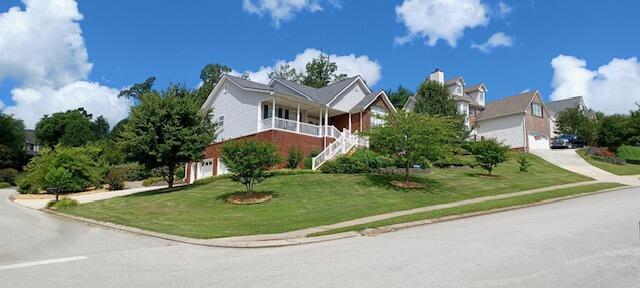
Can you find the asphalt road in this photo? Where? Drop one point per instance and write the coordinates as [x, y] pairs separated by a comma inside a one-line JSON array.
[[585, 242]]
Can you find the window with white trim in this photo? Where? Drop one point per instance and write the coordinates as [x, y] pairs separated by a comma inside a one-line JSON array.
[[536, 110], [376, 116], [220, 120]]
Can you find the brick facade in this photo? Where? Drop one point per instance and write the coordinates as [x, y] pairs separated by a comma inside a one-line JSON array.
[[537, 125]]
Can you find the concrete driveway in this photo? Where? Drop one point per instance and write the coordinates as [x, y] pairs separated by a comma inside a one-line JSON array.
[[584, 242], [570, 160]]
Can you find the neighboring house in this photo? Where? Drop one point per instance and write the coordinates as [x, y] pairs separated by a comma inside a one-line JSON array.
[[555, 107], [31, 144], [290, 115], [470, 100], [520, 121]]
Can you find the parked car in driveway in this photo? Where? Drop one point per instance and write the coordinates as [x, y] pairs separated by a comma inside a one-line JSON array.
[[567, 141]]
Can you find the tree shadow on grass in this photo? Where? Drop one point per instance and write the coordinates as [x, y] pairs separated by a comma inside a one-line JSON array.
[[159, 191], [384, 181]]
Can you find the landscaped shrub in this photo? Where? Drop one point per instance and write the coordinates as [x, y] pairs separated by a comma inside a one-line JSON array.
[[115, 178], [8, 175], [4, 185], [604, 155], [151, 181], [524, 162], [248, 161], [180, 172], [294, 158], [344, 165], [630, 154], [371, 159], [62, 203], [489, 153], [131, 171], [308, 161], [84, 171]]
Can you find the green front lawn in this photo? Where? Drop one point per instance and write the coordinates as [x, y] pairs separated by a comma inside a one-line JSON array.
[[627, 169], [479, 207], [309, 200]]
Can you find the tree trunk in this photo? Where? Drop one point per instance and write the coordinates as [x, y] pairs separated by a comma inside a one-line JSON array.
[[406, 174], [172, 172]]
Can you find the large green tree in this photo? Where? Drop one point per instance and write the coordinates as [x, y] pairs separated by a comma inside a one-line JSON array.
[[210, 76], [576, 121], [321, 72], [72, 128], [432, 98], [399, 96], [614, 130], [167, 129], [286, 72], [413, 138], [136, 90], [12, 143]]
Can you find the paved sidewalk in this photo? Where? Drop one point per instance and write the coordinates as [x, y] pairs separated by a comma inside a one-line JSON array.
[[300, 236], [570, 160], [86, 198]]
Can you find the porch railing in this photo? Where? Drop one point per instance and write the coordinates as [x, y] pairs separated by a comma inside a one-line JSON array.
[[343, 144], [298, 127]]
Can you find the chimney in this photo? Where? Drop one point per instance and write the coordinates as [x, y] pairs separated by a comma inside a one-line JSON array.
[[437, 76]]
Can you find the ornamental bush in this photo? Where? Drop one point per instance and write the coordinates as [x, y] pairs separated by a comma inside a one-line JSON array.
[[308, 161], [131, 171], [489, 153], [248, 161], [294, 158], [62, 203], [115, 178], [84, 171], [524, 162], [8, 175], [344, 165]]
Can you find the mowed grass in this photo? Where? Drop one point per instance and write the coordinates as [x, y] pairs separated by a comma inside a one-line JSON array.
[[308, 200], [479, 207], [627, 169]]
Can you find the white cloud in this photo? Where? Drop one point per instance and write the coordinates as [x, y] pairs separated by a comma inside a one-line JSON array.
[[496, 40], [282, 10], [351, 65], [504, 9], [43, 49], [612, 88], [439, 19], [32, 103]]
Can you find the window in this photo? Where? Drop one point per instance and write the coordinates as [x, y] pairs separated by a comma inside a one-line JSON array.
[[265, 111], [481, 97], [286, 113], [376, 114], [221, 120], [536, 109], [279, 112], [472, 112], [458, 90]]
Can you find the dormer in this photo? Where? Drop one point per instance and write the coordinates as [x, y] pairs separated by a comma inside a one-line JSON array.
[[477, 92], [455, 86]]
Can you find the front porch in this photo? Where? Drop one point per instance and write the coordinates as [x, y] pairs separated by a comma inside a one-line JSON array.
[[303, 118]]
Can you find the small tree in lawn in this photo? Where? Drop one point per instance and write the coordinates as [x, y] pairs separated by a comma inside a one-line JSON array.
[[412, 138], [249, 161], [489, 153], [60, 179], [167, 129]]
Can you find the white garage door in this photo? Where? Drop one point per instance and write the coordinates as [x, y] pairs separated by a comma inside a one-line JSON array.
[[538, 142], [206, 168], [222, 169]]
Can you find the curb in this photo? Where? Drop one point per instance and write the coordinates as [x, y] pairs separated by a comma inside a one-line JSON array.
[[230, 242], [401, 226], [215, 242]]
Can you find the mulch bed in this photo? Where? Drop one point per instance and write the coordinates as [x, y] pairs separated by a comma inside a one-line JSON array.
[[244, 199], [408, 185]]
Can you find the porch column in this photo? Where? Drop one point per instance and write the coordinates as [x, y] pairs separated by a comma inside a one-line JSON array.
[[273, 112], [320, 122], [360, 121], [298, 120], [349, 122], [326, 121]]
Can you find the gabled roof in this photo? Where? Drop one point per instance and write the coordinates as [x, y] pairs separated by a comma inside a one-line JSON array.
[[244, 83], [508, 106], [564, 104], [322, 95], [453, 81], [370, 98], [410, 104], [475, 87], [30, 136]]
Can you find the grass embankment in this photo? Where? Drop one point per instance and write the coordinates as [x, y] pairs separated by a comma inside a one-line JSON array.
[[479, 207], [626, 169], [303, 201]]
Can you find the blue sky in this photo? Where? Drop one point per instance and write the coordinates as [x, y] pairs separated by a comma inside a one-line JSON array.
[[127, 41]]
